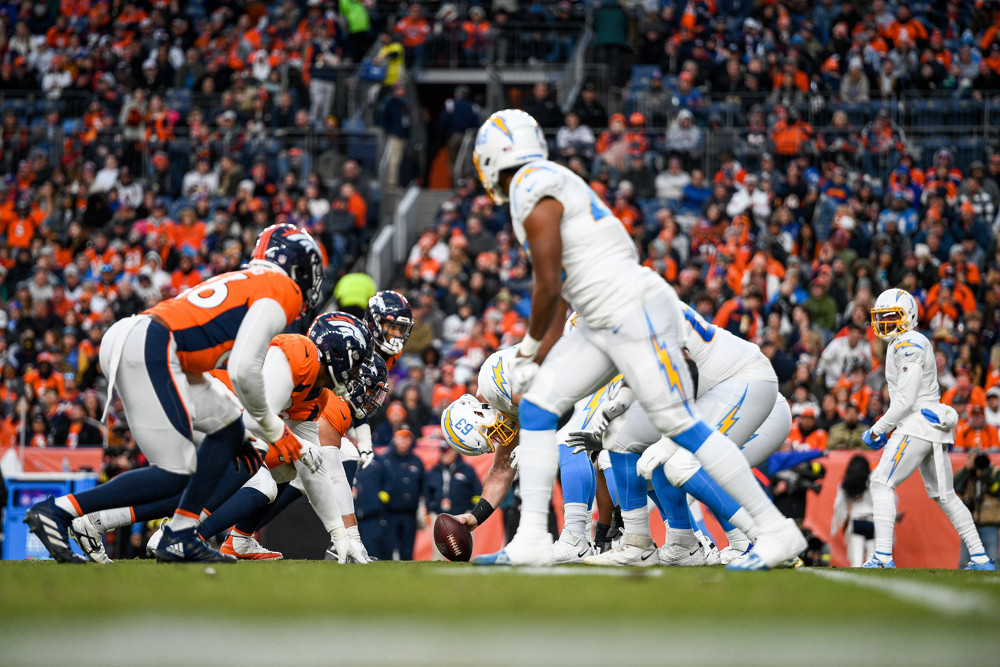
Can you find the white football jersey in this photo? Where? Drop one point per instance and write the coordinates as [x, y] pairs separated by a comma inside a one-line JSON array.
[[911, 373], [602, 277], [718, 354]]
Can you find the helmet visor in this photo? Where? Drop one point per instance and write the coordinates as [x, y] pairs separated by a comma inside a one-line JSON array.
[[502, 431]]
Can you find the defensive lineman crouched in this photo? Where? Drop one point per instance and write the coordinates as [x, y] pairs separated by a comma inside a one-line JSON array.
[[921, 429]]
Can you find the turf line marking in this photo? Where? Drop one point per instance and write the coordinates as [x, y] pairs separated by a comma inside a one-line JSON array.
[[553, 571], [932, 596]]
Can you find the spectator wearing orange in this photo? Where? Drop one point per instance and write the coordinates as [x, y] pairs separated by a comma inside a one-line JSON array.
[[188, 234], [478, 35], [790, 134], [975, 433], [446, 390], [790, 72], [741, 315], [805, 433], [44, 376], [861, 393], [914, 29], [186, 274], [964, 394], [413, 30], [20, 226]]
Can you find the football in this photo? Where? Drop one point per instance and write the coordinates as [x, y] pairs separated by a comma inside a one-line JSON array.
[[452, 538]]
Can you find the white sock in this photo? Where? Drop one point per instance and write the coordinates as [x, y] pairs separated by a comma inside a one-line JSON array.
[[961, 518], [333, 463], [575, 519], [107, 520], [723, 462], [537, 464], [884, 510], [589, 530], [737, 540], [636, 521], [320, 492], [684, 537], [64, 503], [181, 522], [741, 521]]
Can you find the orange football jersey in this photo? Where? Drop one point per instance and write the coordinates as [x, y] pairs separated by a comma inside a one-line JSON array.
[[205, 319], [307, 401], [336, 412]]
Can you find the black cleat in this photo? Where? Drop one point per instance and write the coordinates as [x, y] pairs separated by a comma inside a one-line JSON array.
[[187, 546], [50, 524]]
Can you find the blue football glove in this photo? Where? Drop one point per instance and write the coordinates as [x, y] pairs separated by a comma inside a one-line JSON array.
[[930, 416], [874, 441]]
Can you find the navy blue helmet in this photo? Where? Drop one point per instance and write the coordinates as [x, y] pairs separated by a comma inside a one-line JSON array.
[[344, 346], [297, 253], [367, 391], [390, 320]]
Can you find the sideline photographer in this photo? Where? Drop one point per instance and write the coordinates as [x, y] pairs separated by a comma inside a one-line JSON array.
[[978, 485]]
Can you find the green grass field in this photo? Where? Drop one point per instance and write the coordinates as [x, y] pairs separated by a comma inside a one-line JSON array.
[[303, 612]]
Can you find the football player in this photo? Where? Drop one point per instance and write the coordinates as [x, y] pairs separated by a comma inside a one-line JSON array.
[[736, 391], [581, 254], [921, 427], [298, 370], [485, 423], [159, 362]]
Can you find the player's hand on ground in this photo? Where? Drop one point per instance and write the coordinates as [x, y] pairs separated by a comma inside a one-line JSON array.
[[356, 553], [248, 457], [654, 457], [874, 441], [467, 520], [584, 441]]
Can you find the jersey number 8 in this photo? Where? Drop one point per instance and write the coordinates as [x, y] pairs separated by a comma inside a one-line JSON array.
[[211, 293]]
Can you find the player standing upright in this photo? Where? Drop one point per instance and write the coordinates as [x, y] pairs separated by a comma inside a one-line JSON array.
[[580, 251], [159, 362], [921, 429]]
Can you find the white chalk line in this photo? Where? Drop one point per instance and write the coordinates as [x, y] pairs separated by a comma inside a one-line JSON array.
[[933, 596]]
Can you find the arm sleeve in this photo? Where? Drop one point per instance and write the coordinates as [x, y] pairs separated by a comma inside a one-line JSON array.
[[264, 320], [278, 390], [901, 402]]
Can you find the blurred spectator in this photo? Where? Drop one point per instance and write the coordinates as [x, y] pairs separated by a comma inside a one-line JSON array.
[[394, 119], [452, 486], [974, 433], [78, 430], [977, 483], [404, 482], [543, 108], [846, 434], [853, 512]]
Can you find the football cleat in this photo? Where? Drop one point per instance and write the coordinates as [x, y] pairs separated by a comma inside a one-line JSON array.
[[247, 548], [875, 563], [154, 539], [570, 548], [988, 565], [635, 550], [680, 555], [51, 524], [90, 538], [522, 550], [711, 551], [773, 547], [729, 554], [187, 546]]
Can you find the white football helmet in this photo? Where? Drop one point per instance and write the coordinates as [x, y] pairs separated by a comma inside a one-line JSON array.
[[495, 381], [894, 312], [508, 139], [474, 428]]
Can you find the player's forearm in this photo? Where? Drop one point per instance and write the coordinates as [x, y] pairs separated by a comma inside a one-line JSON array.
[[555, 330], [900, 406], [545, 301], [497, 483], [264, 321]]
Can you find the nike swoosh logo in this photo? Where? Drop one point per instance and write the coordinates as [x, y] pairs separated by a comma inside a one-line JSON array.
[[583, 553], [646, 557], [697, 549]]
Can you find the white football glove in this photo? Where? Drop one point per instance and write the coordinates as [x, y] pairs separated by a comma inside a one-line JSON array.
[[312, 457], [341, 542], [655, 457], [613, 409], [356, 553], [513, 457], [364, 444], [522, 373]]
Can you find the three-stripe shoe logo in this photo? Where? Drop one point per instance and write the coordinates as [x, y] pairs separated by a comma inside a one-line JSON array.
[[52, 531], [176, 549]]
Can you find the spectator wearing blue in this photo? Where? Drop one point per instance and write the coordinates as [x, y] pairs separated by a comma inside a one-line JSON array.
[[404, 484], [458, 115], [452, 486], [394, 118], [369, 507], [899, 213]]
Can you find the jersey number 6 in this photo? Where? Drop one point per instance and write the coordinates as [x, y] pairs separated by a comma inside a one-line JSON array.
[[211, 293]]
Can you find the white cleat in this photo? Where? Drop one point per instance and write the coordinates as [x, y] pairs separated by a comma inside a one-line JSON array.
[[773, 548], [247, 548], [709, 549], [154, 542], [682, 555], [90, 538], [534, 551], [634, 550], [571, 548], [729, 554]]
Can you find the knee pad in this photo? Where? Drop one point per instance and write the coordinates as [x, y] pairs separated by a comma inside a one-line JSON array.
[[263, 482], [534, 418], [681, 467]]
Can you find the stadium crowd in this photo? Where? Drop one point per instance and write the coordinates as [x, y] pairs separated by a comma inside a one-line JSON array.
[[159, 138]]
